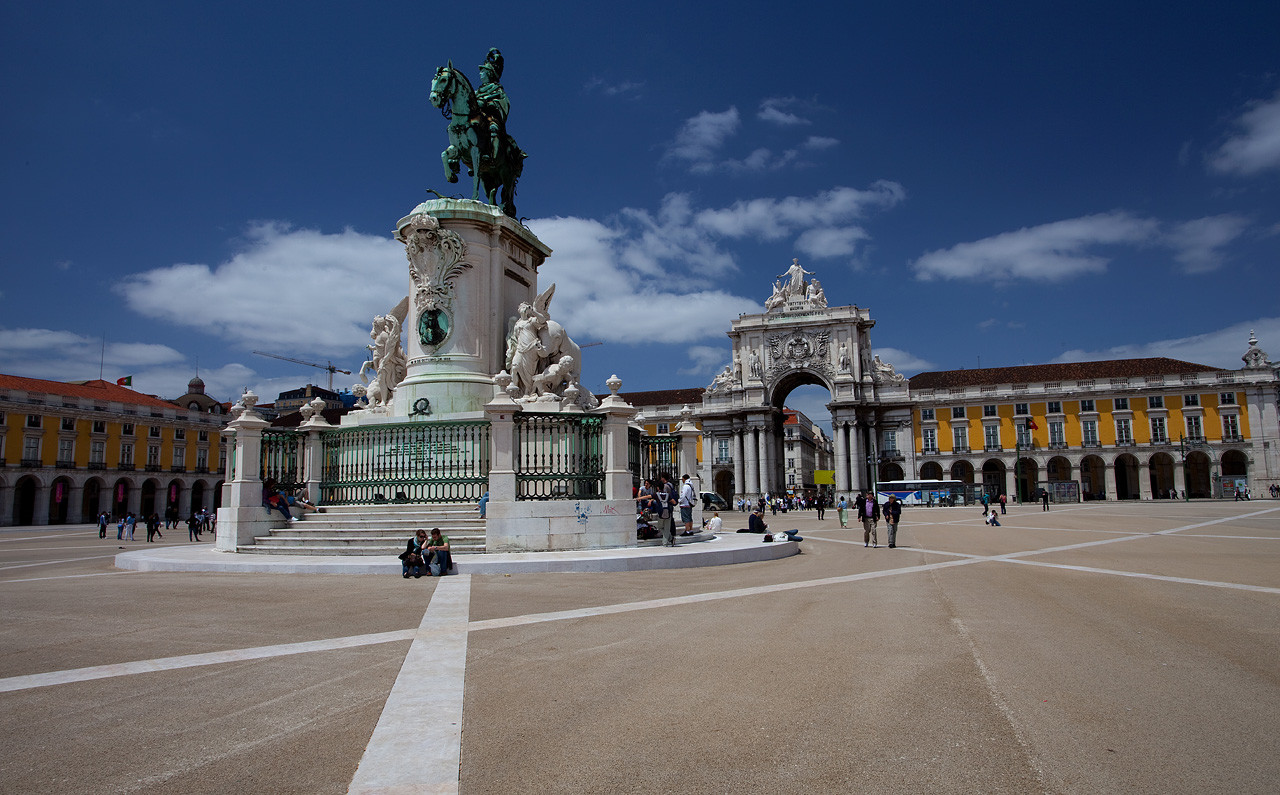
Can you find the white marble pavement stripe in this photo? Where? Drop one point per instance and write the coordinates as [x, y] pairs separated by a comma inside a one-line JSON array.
[[1143, 575], [417, 745], [192, 660], [55, 562], [69, 576]]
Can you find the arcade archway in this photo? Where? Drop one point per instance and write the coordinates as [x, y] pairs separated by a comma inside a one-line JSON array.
[[1126, 468], [1198, 475]]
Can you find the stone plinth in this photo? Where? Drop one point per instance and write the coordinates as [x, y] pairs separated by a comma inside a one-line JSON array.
[[559, 525], [470, 268]]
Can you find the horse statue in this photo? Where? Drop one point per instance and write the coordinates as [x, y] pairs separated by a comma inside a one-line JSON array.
[[471, 142]]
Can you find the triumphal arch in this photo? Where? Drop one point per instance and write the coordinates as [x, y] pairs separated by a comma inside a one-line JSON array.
[[800, 340]]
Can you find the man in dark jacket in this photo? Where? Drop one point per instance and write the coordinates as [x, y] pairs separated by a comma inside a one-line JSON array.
[[869, 512], [892, 513]]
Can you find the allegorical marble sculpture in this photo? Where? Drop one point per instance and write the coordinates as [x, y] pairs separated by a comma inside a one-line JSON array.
[[790, 292], [543, 362], [386, 358]]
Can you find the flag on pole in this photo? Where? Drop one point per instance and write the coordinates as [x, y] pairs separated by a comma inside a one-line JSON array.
[[126, 381], [1031, 425], [824, 477]]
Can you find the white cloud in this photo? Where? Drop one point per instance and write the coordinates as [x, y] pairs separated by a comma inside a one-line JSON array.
[[632, 285], [903, 362], [1255, 146], [817, 142], [1220, 348], [706, 359], [771, 110], [278, 292], [701, 137], [1051, 252], [1197, 244], [772, 219], [58, 355], [627, 87], [826, 242]]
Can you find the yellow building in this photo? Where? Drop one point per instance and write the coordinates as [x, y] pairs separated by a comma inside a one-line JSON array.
[[70, 450], [1122, 429]]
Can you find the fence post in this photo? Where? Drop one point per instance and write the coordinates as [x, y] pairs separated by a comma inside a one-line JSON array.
[[689, 438], [313, 451], [618, 415], [242, 516], [501, 411]]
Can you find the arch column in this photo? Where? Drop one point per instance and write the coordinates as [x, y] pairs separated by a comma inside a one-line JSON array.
[[763, 460], [1179, 477], [858, 456], [6, 504], [1144, 479], [75, 503], [40, 512], [840, 430], [739, 485], [184, 501], [1109, 477], [751, 485]]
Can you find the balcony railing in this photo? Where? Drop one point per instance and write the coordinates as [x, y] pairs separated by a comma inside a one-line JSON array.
[[33, 463], [993, 448], [724, 460], [125, 467], [1057, 445], [928, 451], [958, 449], [1232, 439], [153, 467], [66, 465], [97, 465], [1091, 443]]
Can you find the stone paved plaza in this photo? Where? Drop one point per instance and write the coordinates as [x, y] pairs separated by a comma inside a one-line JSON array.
[[1100, 647]]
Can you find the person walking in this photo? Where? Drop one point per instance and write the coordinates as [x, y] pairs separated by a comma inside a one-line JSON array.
[[666, 499], [153, 527], [102, 525], [686, 504], [986, 503], [842, 510], [869, 512], [1044, 499], [193, 528], [130, 523], [892, 514], [1003, 500], [821, 504]]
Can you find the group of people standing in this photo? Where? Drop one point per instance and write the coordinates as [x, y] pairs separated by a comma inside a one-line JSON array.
[[201, 521], [661, 501], [869, 511]]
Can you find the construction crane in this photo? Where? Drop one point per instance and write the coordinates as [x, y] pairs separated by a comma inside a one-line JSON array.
[[329, 366]]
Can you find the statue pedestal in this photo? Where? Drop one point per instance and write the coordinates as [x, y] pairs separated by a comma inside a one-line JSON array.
[[471, 268]]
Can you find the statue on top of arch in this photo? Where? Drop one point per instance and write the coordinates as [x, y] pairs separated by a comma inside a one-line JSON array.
[[790, 288]]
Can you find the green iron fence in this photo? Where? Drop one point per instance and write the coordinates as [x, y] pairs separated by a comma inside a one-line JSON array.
[[282, 458], [659, 454], [559, 457], [413, 462]]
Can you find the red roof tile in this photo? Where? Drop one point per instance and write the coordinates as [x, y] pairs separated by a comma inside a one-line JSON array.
[[96, 389], [1070, 371], [675, 398]]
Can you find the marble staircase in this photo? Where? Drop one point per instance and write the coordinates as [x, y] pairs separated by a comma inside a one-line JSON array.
[[372, 530]]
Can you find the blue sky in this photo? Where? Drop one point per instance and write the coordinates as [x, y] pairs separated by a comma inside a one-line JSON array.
[[1001, 183]]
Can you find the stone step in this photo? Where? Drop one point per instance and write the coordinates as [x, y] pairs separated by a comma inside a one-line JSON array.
[[363, 532], [374, 541], [340, 551], [389, 521]]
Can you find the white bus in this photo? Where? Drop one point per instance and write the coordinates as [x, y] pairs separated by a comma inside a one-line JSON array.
[[923, 492]]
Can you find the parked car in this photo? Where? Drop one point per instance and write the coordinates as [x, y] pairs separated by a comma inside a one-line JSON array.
[[712, 501]]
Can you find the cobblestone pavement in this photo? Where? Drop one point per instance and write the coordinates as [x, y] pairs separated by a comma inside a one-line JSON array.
[[1096, 647]]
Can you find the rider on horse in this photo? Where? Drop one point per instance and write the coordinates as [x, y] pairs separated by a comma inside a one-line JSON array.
[[492, 98]]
